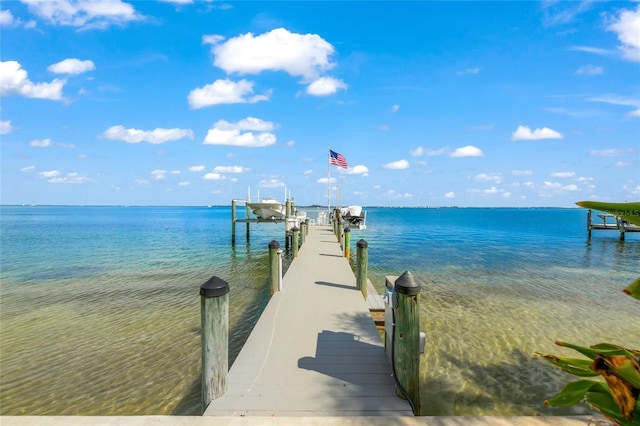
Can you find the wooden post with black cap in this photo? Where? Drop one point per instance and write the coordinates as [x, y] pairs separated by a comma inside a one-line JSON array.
[[214, 335]]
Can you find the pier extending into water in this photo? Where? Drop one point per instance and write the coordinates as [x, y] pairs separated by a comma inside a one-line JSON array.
[[614, 224], [315, 350]]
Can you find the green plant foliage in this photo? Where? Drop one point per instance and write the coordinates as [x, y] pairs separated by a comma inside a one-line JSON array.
[[633, 289], [617, 397]]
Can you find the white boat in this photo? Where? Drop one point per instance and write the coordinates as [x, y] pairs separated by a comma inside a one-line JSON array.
[[354, 216], [268, 208]]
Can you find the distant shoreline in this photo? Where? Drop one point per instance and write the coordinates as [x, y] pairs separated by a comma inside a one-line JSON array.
[[299, 206]]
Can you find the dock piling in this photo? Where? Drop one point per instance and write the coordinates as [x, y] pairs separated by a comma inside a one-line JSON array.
[[406, 338], [362, 260], [214, 336], [347, 242], [294, 240], [274, 246], [233, 221], [303, 232]]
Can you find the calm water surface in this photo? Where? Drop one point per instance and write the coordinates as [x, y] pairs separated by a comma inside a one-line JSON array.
[[100, 315]]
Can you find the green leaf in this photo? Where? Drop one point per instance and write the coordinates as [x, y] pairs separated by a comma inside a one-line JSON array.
[[576, 366], [603, 402], [588, 352], [572, 393], [609, 349], [601, 349], [633, 289], [628, 373]]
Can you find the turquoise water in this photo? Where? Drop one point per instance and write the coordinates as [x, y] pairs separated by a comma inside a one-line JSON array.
[[99, 313]]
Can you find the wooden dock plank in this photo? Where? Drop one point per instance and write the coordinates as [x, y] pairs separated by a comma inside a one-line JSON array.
[[315, 350]]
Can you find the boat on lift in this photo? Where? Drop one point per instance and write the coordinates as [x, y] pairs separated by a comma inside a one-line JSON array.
[[268, 209], [354, 216]]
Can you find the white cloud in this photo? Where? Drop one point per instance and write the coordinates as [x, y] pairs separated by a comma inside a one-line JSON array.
[[359, 170], [420, 151], [178, 2], [549, 188], [324, 86], [184, 183], [230, 169], [622, 164], [72, 66], [612, 152], [522, 172], [525, 133], [156, 136], [627, 26], [71, 178], [489, 177], [158, 174], [395, 108], [213, 176], [41, 143], [616, 100], [249, 123], [467, 151], [84, 13], [491, 191], [563, 175], [6, 127], [589, 70], [397, 165], [15, 81], [635, 113], [594, 50], [450, 195], [224, 92], [49, 174], [271, 183], [241, 133], [326, 181], [304, 55], [28, 168], [6, 18], [196, 168]]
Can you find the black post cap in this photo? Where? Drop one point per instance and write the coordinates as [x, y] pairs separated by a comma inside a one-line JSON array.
[[274, 244], [406, 284], [295, 229], [362, 244], [347, 229], [214, 287]]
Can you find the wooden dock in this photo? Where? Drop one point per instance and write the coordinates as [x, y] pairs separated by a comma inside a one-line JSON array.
[[614, 224], [315, 350]]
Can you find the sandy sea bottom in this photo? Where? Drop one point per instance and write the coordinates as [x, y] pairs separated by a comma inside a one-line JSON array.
[[117, 332]]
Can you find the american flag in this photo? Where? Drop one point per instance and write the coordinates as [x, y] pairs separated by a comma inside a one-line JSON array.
[[337, 159]]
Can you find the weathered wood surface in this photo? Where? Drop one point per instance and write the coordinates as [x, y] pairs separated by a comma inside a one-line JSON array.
[[315, 350]]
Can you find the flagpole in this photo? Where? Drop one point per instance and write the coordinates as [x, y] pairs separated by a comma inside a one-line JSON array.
[[329, 181]]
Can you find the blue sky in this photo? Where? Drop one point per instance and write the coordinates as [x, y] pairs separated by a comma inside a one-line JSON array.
[[478, 103]]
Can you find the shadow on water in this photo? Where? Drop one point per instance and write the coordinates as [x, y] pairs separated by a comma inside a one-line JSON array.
[[518, 387]]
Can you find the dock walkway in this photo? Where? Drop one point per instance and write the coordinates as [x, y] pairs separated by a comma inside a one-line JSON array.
[[315, 350]]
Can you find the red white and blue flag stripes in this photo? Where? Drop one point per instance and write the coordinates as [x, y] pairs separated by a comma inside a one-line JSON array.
[[337, 159]]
